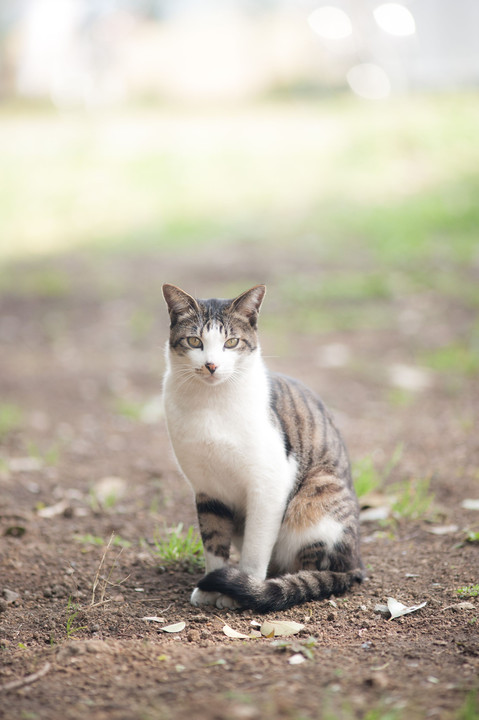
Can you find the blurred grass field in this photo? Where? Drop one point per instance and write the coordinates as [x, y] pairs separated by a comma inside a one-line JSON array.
[[393, 180], [366, 203]]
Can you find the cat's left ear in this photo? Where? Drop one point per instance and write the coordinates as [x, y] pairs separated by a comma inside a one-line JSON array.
[[249, 303]]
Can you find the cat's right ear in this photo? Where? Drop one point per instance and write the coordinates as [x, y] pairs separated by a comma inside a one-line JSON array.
[[180, 304]]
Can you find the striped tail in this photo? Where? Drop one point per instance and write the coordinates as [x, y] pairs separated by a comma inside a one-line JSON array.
[[278, 593]]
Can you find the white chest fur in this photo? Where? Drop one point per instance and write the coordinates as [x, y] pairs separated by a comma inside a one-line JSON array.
[[224, 439]]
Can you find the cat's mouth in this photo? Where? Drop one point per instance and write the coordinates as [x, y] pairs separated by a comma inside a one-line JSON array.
[[208, 378]]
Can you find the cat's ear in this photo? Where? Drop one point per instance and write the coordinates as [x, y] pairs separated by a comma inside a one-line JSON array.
[[249, 303], [179, 302]]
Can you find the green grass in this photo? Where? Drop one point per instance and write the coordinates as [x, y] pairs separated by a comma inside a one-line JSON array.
[[50, 456], [128, 408], [73, 611], [35, 282], [385, 182], [181, 548], [470, 708], [89, 539], [468, 591], [367, 477], [413, 499], [459, 358], [11, 418]]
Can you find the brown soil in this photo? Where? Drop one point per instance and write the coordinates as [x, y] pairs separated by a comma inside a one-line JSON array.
[[67, 357]]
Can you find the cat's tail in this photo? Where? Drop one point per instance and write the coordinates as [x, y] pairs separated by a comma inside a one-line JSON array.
[[281, 592]]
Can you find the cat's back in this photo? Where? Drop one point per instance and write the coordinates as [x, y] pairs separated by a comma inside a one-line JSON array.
[[308, 429]]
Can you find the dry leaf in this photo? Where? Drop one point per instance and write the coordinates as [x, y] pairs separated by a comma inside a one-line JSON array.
[[255, 634], [470, 504], [110, 489], [275, 628], [443, 529], [53, 510], [397, 609], [153, 618], [373, 514], [177, 627], [461, 606], [296, 659], [229, 632]]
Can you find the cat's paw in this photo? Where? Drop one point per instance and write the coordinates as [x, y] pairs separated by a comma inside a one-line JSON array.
[[200, 597], [224, 601]]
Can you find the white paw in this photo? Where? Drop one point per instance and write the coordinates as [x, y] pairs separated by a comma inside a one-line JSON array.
[[200, 597], [224, 601]]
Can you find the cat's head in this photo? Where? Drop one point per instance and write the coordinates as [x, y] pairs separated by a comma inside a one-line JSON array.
[[212, 340]]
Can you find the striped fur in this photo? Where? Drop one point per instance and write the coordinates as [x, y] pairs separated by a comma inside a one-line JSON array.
[[268, 465]]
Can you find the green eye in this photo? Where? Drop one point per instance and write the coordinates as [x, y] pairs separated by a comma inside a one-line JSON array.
[[231, 343], [194, 342]]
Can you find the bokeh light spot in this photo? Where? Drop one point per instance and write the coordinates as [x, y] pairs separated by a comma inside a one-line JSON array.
[[395, 19], [330, 23], [369, 81]]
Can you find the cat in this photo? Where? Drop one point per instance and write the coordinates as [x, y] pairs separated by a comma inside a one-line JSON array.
[[266, 462]]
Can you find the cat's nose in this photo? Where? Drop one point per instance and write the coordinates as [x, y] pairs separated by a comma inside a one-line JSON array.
[[211, 367]]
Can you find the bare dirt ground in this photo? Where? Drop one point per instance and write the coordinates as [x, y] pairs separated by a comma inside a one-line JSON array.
[[83, 360]]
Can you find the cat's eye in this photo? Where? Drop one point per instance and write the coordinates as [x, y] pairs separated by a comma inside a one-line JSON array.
[[194, 342], [231, 343]]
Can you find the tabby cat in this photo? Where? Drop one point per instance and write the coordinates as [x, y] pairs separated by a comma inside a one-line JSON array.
[[267, 464]]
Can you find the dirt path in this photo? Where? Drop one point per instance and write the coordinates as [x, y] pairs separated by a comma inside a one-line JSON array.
[[81, 364]]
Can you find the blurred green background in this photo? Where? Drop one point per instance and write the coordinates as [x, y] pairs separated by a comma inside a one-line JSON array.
[[170, 131]]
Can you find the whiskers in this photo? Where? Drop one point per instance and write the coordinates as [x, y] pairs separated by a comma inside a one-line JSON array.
[[182, 375], [236, 377]]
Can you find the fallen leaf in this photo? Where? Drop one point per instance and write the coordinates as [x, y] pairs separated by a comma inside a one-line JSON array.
[[153, 618], [229, 632], [275, 628], [255, 634], [53, 510], [177, 627], [296, 659], [461, 606], [373, 514], [409, 377], [443, 529], [110, 489], [397, 609], [470, 504], [25, 464]]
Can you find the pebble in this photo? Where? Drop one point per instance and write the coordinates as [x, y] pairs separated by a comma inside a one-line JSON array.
[[378, 680], [10, 596]]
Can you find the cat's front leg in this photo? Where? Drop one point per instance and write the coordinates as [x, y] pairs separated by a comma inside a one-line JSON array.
[[263, 522], [216, 522]]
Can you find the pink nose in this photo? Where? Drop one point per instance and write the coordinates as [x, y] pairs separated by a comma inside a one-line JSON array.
[[211, 367]]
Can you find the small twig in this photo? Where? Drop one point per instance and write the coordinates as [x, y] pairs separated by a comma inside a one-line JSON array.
[[14, 684], [106, 581], [97, 576]]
